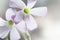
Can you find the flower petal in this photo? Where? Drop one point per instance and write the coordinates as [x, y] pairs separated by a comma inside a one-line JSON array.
[[31, 3], [21, 26], [9, 14], [14, 35], [31, 24], [41, 11], [2, 22], [19, 17], [17, 4], [4, 32]]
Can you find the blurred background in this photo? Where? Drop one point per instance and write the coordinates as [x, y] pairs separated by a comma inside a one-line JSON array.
[[48, 26]]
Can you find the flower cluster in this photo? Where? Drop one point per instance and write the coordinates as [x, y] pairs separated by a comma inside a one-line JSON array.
[[19, 19]]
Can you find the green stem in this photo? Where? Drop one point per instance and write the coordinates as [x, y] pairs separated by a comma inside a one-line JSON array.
[[26, 36], [7, 38]]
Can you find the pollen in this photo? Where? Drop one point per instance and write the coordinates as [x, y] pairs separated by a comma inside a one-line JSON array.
[[10, 23], [26, 10]]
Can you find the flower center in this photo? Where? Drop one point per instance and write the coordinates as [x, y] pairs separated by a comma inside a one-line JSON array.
[[10, 23], [26, 10]]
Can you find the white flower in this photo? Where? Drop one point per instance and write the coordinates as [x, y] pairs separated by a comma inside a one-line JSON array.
[[27, 11], [8, 26]]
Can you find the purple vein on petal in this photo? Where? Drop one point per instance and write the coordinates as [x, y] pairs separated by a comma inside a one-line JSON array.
[[13, 17]]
